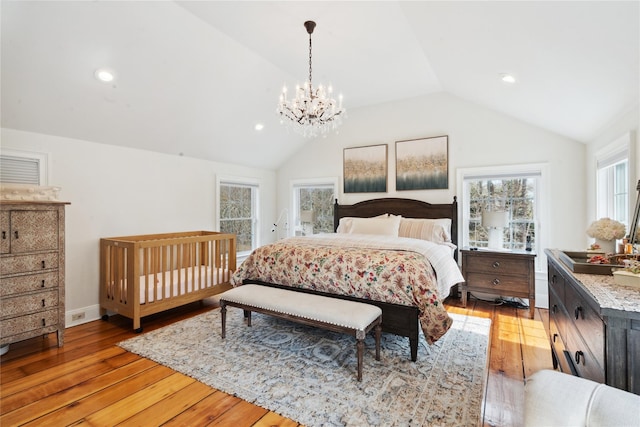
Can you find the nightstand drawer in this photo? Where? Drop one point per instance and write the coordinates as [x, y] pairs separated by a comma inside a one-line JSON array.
[[497, 265], [499, 283]]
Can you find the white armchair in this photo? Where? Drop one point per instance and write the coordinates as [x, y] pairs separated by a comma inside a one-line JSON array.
[[556, 399]]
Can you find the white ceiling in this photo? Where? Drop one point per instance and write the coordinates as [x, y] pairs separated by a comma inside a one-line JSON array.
[[195, 77]]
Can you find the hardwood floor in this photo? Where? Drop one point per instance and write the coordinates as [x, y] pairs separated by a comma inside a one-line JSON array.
[[91, 381]]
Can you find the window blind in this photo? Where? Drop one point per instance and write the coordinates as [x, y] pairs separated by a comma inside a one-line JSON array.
[[19, 170]]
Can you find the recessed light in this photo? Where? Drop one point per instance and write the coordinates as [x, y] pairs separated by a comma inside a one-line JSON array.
[[104, 75], [258, 126], [507, 78]]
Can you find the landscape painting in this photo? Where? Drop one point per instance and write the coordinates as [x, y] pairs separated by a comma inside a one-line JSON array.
[[365, 169], [422, 164]]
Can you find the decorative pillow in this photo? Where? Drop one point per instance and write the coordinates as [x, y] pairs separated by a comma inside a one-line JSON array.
[[386, 226], [433, 230], [345, 224]]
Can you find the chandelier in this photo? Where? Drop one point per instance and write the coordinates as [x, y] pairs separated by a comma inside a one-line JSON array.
[[312, 111]]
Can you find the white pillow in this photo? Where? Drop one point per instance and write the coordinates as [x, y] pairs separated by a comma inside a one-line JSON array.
[[434, 230], [387, 226], [345, 223]]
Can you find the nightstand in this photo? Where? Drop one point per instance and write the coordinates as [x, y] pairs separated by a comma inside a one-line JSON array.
[[506, 273]]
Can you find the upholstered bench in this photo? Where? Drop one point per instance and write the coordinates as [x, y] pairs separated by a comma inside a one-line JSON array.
[[349, 317]]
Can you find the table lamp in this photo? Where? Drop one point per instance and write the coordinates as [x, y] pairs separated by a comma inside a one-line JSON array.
[[495, 222]]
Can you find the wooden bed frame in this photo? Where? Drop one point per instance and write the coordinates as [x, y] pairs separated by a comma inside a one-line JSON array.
[[167, 260], [396, 319]]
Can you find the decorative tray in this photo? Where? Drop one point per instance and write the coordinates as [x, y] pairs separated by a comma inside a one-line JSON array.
[[577, 262]]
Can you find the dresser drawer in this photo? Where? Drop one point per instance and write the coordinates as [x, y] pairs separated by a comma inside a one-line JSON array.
[[499, 283], [585, 363], [43, 321], [28, 263], [497, 265], [29, 303], [28, 283], [587, 322]]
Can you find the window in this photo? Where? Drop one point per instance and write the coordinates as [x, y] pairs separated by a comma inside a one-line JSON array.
[[313, 206], [238, 213], [23, 167], [515, 195], [613, 181], [515, 189]]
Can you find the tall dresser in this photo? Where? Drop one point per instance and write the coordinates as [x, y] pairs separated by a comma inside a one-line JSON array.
[[31, 270], [594, 326]]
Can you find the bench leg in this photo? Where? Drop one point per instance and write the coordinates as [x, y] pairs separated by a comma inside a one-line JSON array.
[[359, 351], [223, 315], [248, 314], [378, 335]]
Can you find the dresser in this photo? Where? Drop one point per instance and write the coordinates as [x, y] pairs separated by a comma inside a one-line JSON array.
[[504, 273], [31, 270], [594, 326]]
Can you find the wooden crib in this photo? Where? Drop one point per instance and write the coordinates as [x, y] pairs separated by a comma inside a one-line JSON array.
[[147, 274]]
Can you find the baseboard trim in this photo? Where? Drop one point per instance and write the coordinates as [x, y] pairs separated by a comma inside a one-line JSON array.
[[86, 314]]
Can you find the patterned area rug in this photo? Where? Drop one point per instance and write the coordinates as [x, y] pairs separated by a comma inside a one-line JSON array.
[[309, 375]]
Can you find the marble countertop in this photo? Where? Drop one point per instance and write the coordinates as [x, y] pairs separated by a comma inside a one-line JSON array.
[[609, 295]]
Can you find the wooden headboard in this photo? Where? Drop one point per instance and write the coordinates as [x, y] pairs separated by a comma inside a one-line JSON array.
[[408, 208]]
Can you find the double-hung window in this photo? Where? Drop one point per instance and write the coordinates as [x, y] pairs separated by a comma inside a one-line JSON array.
[[312, 205], [612, 164], [513, 189], [238, 213]]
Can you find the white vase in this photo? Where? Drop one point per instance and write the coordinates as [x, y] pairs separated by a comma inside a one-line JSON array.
[[607, 246]]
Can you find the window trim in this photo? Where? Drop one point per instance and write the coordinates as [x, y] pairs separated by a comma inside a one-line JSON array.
[[542, 212], [307, 182], [252, 182]]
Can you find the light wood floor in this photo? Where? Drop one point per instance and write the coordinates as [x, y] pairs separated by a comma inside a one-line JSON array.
[[91, 381]]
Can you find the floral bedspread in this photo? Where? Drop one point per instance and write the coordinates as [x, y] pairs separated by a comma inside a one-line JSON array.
[[356, 266]]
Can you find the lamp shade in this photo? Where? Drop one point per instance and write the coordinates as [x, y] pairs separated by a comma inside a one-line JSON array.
[[495, 219], [307, 216]]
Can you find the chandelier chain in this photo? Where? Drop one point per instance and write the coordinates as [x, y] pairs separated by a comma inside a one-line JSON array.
[[310, 60]]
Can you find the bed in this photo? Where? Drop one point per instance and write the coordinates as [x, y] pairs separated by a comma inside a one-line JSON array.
[[303, 264], [146, 274]]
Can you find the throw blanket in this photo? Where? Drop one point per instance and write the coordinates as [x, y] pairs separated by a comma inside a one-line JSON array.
[[382, 268]]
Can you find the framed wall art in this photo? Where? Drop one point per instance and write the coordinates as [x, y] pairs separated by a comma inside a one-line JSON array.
[[422, 164], [365, 169]]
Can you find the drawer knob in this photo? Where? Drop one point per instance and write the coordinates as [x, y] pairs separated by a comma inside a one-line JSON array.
[[495, 264], [4, 235], [43, 264], [579, 355], [15, 234], [42, 283], [496, 282], [578, 312], [44, 323], [43, 303]]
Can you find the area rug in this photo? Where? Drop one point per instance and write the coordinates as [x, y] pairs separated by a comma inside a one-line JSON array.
[[309, 375]]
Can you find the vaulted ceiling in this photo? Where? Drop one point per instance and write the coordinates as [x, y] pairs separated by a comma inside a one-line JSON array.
[[194, 77]]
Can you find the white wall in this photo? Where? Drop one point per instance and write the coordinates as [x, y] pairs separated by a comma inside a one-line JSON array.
[[116, 191], [477, 137]]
